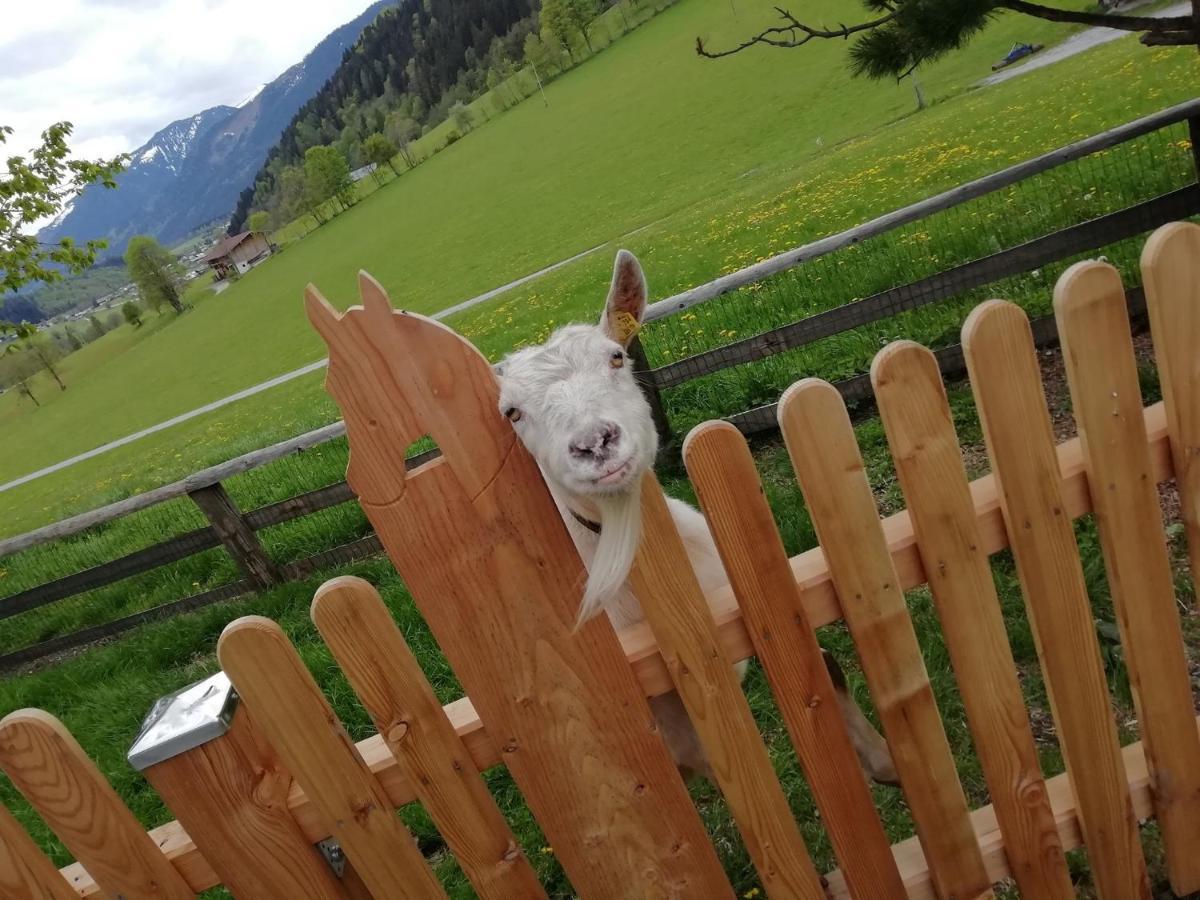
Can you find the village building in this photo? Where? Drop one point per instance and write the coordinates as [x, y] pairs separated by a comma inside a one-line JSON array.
[[237, 253]]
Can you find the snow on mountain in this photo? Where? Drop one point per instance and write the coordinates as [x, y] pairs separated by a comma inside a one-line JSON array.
[[191, 172]]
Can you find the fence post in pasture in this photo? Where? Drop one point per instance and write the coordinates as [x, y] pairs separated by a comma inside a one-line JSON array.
[[24, 869], [644, 376], [1089, 303], [828, 465], [50, 769], [920, 431], [482, 548], [1171, 278], [201, 751], [1007, 385], [237, 536]]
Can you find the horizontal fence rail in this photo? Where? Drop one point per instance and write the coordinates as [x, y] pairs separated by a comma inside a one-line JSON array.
[[236, 532]]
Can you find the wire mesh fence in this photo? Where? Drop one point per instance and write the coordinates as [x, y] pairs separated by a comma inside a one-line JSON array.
[[742, 349]]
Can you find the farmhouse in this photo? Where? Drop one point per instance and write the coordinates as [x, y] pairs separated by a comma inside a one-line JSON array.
[[237, 253]]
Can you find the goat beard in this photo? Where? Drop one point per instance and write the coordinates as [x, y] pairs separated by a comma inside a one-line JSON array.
[[620, 535]]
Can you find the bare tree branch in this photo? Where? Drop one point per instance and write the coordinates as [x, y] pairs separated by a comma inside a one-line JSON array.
[[1174, 30], [1169, 38], [789, 35], [1105, 20]]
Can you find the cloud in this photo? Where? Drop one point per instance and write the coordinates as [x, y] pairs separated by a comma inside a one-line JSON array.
[[122, 69]]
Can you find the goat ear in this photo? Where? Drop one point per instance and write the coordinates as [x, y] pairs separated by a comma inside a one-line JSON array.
[[626, 302]]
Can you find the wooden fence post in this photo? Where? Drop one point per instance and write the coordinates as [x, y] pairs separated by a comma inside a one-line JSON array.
[[205, 757], [237, 536], [644, 376], [1194, 137]]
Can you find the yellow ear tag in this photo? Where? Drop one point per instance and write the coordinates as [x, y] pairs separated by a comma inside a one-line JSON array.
[[625, 326]]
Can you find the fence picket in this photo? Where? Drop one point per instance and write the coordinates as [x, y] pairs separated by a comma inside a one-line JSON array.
[[1016, 426], [50, 769], [1171, 277], [727, 484], [388, 680], [25, 872], [829, 468], [920, 431], [663, 580], [296, 718], [482, 548], [230, 793], [1089, 302]]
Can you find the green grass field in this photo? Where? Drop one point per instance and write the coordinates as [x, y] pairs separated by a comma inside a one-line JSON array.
[[538, 184], [725, 163]]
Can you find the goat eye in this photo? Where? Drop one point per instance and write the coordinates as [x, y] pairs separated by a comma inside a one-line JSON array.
[[617, 360], [513, 414]]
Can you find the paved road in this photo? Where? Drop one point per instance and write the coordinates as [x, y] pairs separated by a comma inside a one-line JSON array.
[[281, 379], [1076, 43]]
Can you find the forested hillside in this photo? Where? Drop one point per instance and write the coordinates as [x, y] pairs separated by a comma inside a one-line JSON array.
[[406, 73]]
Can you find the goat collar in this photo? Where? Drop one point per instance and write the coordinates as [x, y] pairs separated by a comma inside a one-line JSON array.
[[593, 527]]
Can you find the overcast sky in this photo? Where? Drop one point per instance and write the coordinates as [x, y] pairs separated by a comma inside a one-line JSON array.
[[122, 69]]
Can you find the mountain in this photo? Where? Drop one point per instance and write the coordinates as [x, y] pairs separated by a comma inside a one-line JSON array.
[[190, 172], [406, 73]]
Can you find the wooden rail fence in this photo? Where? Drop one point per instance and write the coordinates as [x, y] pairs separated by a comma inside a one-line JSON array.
[[272, 801], [235, 531]]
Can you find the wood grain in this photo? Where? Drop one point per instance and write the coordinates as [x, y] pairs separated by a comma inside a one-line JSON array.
[[920, 432], [388, 680], [47, 765], [731, 496], [484, 552], [1171, 278], [1089, 301], [911, 860], [231, 795], [25, 872], [295, 717], [829, 468], [664, 583], [1008, 393], [821, 604]]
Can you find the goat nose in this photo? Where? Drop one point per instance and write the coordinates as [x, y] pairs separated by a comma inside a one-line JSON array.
[[596, 441]]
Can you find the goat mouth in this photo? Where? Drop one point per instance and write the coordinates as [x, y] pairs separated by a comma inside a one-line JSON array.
[[614, 475]]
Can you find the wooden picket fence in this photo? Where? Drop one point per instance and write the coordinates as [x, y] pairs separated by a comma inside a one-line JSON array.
[[239, 531], [482, 549]]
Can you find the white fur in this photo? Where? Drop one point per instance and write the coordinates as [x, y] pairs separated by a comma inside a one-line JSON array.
[[566, 390], [577, 409]]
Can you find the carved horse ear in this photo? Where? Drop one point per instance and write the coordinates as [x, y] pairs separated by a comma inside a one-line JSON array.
[[374, 300], [321, 314]]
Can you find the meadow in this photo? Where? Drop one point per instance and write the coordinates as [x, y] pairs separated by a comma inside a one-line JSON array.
[[536, 185], [717, 182]]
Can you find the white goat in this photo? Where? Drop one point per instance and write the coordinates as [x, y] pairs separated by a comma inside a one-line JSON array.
[[575, 406]]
